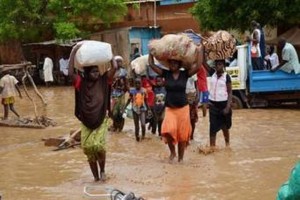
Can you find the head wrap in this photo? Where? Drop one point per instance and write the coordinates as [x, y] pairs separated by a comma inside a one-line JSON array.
[[118, 58]]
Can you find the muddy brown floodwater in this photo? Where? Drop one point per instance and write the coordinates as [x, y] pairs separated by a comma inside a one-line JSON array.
[[264, 148]]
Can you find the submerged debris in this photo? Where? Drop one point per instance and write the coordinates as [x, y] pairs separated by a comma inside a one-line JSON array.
[[206, 150], [40, 122], [64, 142]]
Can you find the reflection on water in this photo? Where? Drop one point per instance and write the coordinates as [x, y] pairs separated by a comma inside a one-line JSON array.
[[264, 149]]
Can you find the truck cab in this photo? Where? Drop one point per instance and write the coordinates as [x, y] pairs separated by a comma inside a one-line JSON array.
[[261, 88]]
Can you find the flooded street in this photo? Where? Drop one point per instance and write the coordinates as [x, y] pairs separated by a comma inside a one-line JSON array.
[[264, 148]]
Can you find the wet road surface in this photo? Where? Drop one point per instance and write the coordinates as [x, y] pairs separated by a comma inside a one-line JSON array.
[[264, 148]]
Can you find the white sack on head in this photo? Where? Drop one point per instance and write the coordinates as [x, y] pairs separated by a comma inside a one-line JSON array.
[[93, 53], [141, 63]]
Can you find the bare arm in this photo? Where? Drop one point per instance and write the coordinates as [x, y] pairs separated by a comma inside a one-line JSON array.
[[71, 61], [153, 66], [204, 63], [128, 102], [113, 68], [1, 89], [229, 91], [279, 66], [196, 65], [18, 89]]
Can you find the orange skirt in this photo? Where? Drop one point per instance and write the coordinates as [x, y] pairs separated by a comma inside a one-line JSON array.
[[177, 124]]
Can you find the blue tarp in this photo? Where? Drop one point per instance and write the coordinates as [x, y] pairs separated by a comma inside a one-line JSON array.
[[196, 38]]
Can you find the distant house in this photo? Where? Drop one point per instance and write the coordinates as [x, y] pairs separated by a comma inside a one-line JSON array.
[[124, 40], [145, 20], [172, 16], [33, 52]]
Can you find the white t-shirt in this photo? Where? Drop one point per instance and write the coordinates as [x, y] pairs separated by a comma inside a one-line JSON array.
[[218, 88], [289, 54], [8, 83], [274, 60]]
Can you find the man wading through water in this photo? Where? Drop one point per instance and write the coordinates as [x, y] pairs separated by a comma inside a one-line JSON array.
[[91, 108]]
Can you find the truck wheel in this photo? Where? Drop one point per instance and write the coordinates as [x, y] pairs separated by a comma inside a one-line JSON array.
[[236, 103]]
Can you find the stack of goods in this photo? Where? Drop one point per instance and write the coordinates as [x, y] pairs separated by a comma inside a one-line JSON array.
[[93, 53], [176, 47], [220, 45], [139, 65], [194, 36]]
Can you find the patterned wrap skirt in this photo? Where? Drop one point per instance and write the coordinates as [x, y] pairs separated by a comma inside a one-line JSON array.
[[93, 141]]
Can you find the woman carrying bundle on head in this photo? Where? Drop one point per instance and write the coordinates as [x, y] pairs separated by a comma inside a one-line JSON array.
[[91, 100], [176, 127]]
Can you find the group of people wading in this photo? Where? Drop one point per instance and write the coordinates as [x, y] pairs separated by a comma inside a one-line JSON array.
[[162, 102]]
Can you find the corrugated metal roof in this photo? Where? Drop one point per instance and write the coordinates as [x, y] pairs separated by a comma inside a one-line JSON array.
[[68, 43]]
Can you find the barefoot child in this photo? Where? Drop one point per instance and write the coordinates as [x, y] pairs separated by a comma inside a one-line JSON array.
[[220, 97], [138, 98], [192, 98], [159, 103], [8, 90]]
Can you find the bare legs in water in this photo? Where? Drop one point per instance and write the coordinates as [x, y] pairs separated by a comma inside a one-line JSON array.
[[11, 107], [213, 138], [181, 148], [94, 166]]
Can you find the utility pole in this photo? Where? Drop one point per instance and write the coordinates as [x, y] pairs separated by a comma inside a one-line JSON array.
[[154, 14]]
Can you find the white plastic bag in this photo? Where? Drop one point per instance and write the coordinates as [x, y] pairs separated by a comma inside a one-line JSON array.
[[140, 64], [93, 53]]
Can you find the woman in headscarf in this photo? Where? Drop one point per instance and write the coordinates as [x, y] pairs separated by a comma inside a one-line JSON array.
[[91, 108], [176, 126]]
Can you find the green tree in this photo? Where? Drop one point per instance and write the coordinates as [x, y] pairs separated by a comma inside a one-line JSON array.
[[237, 14], [28, 20], [36, 20]]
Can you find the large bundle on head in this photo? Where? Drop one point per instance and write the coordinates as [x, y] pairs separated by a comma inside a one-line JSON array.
[[193, 36], [220, 45], [93, 53], [139, 65], [177, 47]]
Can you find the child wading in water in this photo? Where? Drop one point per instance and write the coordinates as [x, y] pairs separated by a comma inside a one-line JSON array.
[[159, 103], [138, 97], [220, 97], [8, 89]]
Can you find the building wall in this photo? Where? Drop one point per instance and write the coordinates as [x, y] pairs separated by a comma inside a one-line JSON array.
[[170, 18], [140, 37]]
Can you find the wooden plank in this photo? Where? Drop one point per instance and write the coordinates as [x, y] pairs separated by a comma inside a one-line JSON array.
[[16, 66]]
